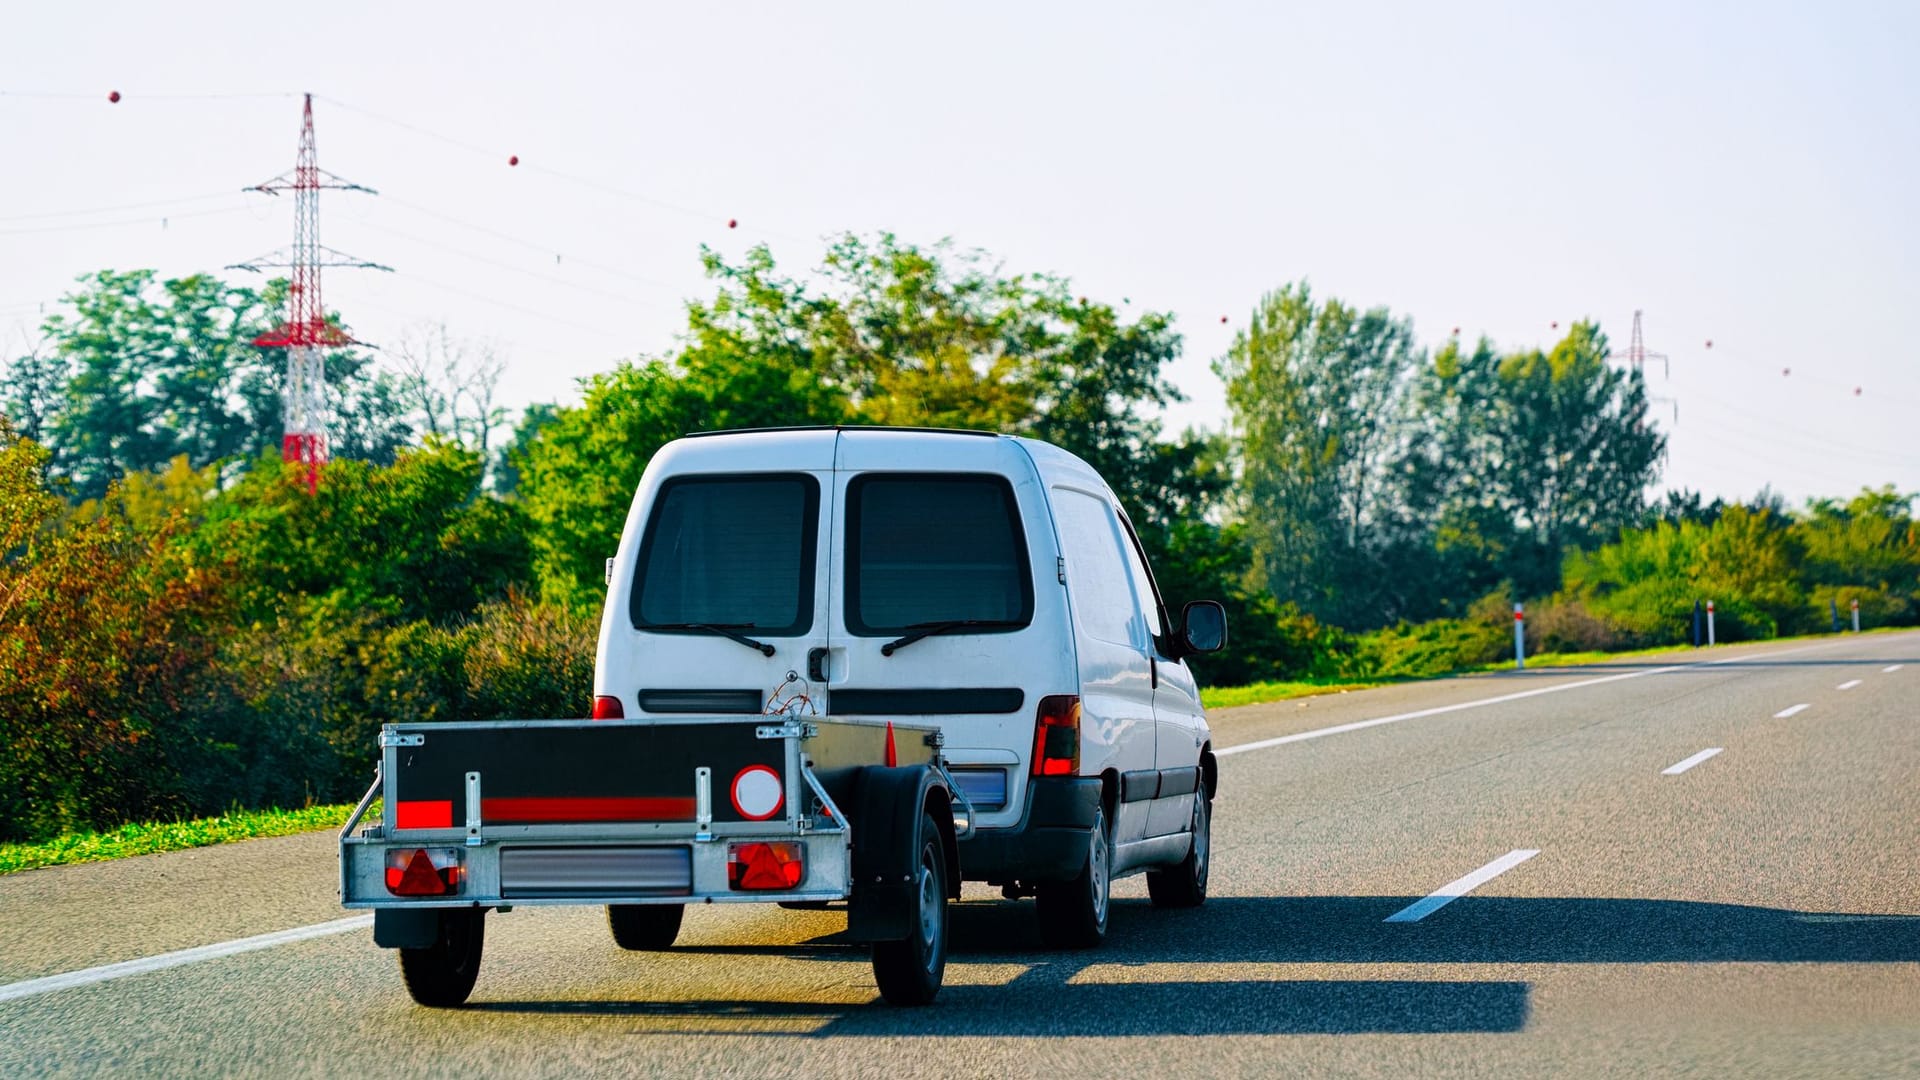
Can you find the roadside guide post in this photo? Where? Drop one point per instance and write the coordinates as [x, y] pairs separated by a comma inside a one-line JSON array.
[[1855, 604], [1696, 624], [1519, 636], [1709, 622]]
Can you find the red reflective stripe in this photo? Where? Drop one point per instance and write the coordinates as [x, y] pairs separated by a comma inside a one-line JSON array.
[[587, 809], [423, 814]]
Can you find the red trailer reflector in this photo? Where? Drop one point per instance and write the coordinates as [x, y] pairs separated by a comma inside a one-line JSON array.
[[774, 865], [423, 814], [423, 871]]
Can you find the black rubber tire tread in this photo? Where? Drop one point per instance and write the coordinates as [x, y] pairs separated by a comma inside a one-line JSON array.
[[441, 975], [908, 975], [1071, 915], [1184, 884], [645, 927]]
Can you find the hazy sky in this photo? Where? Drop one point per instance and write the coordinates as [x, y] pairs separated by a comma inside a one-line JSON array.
[[1744, 172]]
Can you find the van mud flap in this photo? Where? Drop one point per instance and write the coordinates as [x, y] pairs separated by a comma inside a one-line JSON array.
[[888, 805]]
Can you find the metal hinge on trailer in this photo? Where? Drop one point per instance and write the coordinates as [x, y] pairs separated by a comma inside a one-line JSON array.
[[801, 730], [394, 738]]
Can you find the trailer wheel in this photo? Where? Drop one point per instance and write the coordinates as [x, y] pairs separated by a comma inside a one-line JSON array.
[[909, 971], [441, 975], [1184, 884], [645, 927], [1073, 913]]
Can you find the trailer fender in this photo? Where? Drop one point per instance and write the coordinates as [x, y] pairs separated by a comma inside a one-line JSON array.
[[888, 807]]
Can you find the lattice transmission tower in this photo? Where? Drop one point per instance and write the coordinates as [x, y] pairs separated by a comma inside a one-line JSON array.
[[307, 333], [1638, 354]]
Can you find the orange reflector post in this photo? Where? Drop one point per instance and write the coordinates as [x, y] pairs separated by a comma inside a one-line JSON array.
[[773, 865], [424, 871]]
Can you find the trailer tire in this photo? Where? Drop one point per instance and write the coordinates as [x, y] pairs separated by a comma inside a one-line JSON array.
[[1073, 913], [441, 975], [645, 927], [910, 971]]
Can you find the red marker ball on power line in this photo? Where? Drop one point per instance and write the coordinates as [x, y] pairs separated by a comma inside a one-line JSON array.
[[1456, 331], [1709, 343], [1223, 320], [1553, 326], [1856, 391], [113, 97], [733, 223], [1786, 371], [513, 159]]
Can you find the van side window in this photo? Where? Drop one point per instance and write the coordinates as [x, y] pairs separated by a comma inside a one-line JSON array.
[[926, 548], [1143, 591], [730, 550], [1097, 577]]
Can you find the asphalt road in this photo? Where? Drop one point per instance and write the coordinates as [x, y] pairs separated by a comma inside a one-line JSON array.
[[1757, 914]]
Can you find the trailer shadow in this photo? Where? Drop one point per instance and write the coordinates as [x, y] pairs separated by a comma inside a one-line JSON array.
[[1133, 986]]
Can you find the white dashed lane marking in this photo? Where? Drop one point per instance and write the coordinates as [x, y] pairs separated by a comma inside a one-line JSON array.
[[1679, 767], [1789, 711], [1454, 890]]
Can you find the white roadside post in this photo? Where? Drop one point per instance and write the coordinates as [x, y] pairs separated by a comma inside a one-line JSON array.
[[1709, 622], [1855, 604], [1519, 636]]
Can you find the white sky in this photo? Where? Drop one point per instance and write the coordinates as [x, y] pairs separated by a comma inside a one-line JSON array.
[[1744, 172]]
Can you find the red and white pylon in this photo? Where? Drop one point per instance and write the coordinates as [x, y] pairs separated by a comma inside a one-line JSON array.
[[307, 333]]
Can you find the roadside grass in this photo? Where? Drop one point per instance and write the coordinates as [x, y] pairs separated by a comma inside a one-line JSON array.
[[148, 839], [1226, 697]]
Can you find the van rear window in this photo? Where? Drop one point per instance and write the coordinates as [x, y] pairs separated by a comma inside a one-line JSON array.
[[730, 550], [934, 547]]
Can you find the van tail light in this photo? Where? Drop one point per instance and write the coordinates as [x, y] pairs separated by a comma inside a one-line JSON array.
[[1056, 736], [773, 865], [424, 871], [608, 708]]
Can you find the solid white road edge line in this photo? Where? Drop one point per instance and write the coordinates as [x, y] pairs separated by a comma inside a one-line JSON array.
[[1357, 725], [1454, 890], [1891, 668], [12, 991], [1679, 767], [1789, 711], [1848, 685]]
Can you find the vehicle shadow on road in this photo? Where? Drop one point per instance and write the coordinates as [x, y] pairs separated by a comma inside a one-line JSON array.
[[1127, 987]]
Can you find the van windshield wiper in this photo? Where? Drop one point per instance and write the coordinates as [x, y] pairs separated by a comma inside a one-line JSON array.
[[724, 629], [946, 626]]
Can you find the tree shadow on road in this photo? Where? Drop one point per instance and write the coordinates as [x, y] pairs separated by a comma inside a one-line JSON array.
[[1095, 994]]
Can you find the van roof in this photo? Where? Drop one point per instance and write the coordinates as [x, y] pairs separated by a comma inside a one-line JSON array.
[[841, 427]]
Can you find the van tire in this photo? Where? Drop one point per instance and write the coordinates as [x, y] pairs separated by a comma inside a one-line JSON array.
[[1184, 884], [441, 975], [1073, 913], [910, 971], [645, 927]]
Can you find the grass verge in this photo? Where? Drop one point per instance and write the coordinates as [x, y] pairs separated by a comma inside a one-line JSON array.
[[139, 839], [1226, 697]]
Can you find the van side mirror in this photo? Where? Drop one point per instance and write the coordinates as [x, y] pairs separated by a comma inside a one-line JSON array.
[[1203, 626]]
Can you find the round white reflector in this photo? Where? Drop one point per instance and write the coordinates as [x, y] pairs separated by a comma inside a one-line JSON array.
[[758, 792]]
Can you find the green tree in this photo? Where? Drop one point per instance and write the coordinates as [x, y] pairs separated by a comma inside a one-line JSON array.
[[1319, 394], [135, 371]]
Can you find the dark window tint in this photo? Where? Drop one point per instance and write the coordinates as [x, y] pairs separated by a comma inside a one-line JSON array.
[[925, 548], [733, 550]]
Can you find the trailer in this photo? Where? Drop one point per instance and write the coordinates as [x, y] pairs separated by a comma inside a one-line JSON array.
[[646, 816]]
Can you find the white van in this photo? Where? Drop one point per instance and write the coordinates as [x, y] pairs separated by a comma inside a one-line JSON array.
[[987, 585]]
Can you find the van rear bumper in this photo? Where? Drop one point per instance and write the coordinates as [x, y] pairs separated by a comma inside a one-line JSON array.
[[1049, 843]]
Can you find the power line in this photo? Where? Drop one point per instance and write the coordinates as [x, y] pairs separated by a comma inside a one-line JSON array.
[[116, 209], [162, 221]]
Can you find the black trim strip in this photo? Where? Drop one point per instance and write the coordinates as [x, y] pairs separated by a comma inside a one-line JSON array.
[[701, 701], [1006, 699], [1179, 781], [1139, 786]]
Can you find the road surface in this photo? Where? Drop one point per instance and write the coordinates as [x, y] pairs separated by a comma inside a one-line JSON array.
[[1703, 864]]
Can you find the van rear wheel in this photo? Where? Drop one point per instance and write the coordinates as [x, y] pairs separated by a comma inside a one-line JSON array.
[[1073, 913], [441, 975], [645, 927], [1184, 884]]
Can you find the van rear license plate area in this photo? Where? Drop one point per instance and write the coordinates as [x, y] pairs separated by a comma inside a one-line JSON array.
[[986, 789], [558, 873]]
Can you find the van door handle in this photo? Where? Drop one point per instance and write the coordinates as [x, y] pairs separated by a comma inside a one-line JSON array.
[[817, 665]]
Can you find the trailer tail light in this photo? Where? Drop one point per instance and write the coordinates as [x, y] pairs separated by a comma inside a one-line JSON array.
[[771, 865], [608, 708], [1056, 736], [424, 871]]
